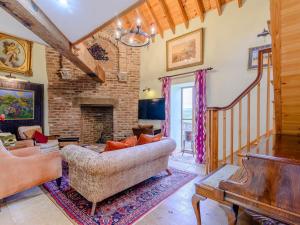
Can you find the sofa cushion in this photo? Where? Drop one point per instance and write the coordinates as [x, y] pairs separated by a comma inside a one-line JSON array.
[[115, 145], [40, 138], [23, 129], [3, 150], [131, 141], [146, 139]]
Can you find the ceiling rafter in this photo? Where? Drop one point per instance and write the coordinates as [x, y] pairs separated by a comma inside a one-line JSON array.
[[240, 3], [145, 23], [167, 14], [219, 7], [200, 9], [183, 14], [158, 26]]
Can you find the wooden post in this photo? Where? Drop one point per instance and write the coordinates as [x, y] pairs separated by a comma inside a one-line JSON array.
[[231, 135], [224, 136], [268, 98], [213, 141], [248, 121]]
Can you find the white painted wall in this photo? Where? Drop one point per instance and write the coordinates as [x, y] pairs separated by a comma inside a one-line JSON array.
[[39, 76], [11, 26], [227, 41]]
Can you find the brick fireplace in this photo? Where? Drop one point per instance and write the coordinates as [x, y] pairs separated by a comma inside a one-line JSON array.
[[74, 107], [96, 124]]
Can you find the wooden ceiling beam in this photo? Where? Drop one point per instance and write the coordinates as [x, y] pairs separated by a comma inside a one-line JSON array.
[[240, 3], [27, 13], [145, 23], [158, 26], [200, 9], [183, 14], [219, 7], [167, 13]]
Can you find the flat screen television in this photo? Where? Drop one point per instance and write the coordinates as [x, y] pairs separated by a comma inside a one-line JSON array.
[[152, 109]]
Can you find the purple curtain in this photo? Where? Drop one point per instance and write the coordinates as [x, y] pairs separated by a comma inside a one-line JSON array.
[[166, 93], [200, 110]]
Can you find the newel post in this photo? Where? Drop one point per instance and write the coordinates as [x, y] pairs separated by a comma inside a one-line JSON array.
[[212, 140]]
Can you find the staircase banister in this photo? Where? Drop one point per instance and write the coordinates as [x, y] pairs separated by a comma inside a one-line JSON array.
[[250, 87]]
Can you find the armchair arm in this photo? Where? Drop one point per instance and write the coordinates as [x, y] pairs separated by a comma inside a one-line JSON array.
[[22, 152], [21, 173]]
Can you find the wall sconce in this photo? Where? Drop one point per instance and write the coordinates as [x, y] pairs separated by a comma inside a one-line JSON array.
[[146, 90]]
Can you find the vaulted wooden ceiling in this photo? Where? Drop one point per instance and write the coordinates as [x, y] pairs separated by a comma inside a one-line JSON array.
[[166, 14]]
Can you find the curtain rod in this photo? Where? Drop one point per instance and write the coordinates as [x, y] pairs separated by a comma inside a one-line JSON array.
[[181, 74]]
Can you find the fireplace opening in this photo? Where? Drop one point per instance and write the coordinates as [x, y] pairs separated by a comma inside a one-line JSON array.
[[96, 124]]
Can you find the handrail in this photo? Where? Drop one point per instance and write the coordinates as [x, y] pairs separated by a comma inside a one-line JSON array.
[[250, 87]]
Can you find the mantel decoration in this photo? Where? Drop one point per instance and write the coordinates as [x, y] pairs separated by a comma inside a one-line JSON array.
[[134, 36], [15, 55], [185, 51]]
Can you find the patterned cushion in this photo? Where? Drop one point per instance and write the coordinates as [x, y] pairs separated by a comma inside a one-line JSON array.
[[23, 129], [3, 150]]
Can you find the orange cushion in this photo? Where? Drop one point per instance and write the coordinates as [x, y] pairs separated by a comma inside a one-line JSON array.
[[131, 141], [146, 139], [115, 145]]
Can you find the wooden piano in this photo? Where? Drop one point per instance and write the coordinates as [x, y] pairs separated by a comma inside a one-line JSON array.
[[267, 185]]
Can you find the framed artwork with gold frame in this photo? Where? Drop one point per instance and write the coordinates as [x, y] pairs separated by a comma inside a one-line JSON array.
[[15, 55], [185, 51]]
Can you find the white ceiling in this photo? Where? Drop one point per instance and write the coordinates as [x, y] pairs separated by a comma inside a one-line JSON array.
[[79, 17], [15, 28]]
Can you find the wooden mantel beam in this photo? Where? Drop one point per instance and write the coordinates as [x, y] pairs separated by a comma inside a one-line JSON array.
[[183, 14], [200, 9], [34, 19], [167, 13]]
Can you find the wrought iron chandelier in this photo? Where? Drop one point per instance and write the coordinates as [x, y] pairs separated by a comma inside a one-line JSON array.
[[135, 36]]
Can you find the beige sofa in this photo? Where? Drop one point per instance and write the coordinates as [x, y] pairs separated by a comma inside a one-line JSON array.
[[99, 176]]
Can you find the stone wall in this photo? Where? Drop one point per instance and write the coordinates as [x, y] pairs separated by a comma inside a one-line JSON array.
[[65, 116]]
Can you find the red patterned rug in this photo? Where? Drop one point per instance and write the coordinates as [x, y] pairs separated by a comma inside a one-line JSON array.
[[121, 209]]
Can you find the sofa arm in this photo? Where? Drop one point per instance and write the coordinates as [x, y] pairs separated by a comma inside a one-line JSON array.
[[22, 144], [80, 157], [22, 152]]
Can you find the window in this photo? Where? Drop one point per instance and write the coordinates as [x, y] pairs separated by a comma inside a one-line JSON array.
[[187, 119]]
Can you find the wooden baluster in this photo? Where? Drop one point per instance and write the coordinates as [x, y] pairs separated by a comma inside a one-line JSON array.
[[258, 118], [248, 121], [240, 131], [207, 140], [215, 140], [231, 135], [268, 97], [224, 136]]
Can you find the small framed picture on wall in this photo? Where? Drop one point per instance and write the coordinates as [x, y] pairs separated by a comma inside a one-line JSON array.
[[185, 51], [253, 57], [15, 55]]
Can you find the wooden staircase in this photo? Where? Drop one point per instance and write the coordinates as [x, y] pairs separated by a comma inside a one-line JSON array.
[[225, 147]]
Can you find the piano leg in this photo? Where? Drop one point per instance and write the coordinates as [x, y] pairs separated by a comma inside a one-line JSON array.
[[196, 205]]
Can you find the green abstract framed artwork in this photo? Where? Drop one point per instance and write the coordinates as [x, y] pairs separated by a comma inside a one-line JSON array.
[[17, 104]]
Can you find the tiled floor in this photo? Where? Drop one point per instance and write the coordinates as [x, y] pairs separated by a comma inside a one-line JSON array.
[[33, 207]]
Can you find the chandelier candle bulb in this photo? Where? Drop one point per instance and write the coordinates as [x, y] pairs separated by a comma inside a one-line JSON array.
[[119, 24], [138, 22]]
